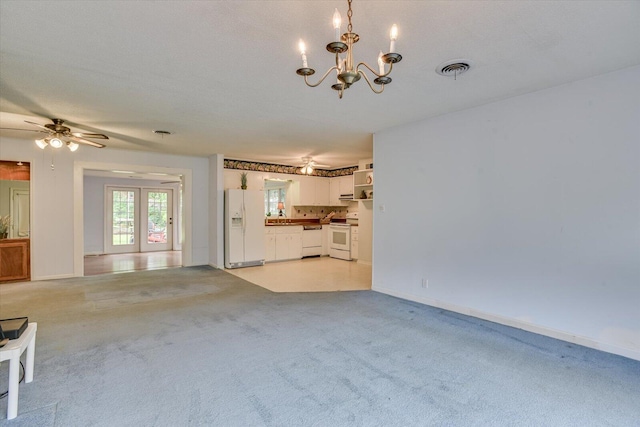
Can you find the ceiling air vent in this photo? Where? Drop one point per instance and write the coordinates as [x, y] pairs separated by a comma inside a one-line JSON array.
[[454, 68]]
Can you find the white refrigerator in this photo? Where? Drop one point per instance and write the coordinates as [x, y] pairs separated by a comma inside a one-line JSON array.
[[243, 228]]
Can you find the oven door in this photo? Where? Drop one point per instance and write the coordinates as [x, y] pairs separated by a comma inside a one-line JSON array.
[[340, 242]]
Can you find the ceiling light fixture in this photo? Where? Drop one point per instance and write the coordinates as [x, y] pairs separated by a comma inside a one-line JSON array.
[[345, 69], [56, 142], [309, 165]]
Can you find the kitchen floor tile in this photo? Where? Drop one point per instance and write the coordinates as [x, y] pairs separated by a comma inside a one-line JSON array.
[[318, 274]]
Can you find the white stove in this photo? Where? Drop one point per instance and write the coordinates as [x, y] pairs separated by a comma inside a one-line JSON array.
[[340, 238]]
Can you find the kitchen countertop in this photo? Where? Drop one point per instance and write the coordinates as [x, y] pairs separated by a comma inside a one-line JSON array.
[[282, 224], [303, 222]]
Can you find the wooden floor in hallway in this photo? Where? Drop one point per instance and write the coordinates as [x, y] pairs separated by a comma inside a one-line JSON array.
[[121, 263]]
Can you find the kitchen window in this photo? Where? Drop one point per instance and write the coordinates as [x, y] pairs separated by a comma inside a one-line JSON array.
[[271, 198]]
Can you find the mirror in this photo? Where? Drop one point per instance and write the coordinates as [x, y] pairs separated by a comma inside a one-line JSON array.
[[14, 200]]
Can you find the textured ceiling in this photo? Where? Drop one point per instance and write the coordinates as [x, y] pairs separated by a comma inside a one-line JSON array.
[[221, 75]]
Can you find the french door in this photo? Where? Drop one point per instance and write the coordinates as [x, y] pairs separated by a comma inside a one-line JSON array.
[[138, 220], [157, 209]]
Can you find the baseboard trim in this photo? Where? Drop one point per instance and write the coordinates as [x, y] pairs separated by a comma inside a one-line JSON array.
[[53, 277], [515, 323]]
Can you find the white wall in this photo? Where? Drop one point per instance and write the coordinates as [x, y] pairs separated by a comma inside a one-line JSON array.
[[525, 211], [54, 191], [216, 211], [94, 211]]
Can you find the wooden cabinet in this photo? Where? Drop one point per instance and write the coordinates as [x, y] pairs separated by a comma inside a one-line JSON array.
[[15, 260], [283, 242]]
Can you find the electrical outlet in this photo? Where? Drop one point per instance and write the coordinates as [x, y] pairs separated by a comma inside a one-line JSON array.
[[425, 283]]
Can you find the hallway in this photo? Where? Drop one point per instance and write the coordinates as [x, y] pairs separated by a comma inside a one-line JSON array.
[[121, 263]]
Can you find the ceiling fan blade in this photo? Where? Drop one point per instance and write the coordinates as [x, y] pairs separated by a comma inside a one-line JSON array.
[[25, 130], [86, 142], [39, 125], [89, 135], [317, 165]]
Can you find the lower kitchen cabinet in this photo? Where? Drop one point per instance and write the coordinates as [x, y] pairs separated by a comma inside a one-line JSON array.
[[325, 240], [270, 244], [283, 242], [354, 242]]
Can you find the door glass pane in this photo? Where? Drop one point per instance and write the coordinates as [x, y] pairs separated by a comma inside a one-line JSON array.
[[123, 217], [157, 220]]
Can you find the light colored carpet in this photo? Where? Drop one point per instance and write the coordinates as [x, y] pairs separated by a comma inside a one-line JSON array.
[[198, 346]]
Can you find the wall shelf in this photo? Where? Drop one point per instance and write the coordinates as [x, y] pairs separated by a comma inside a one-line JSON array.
[[363, 182]]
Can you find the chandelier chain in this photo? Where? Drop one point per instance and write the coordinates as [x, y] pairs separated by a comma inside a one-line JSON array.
[[349, 15]]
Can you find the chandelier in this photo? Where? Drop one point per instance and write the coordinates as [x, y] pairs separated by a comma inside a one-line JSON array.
[[345, 69]]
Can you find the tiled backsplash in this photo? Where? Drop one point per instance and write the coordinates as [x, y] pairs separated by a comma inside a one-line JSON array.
[[321, 211]]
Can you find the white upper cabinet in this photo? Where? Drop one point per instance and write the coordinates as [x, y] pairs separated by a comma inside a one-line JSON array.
[[346, 184], [322, 192], [307, 196], [337, 186], [313, 191], [334, 192]]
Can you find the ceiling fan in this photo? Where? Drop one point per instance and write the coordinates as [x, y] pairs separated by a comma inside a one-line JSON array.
[[309, 165], [58, 135]]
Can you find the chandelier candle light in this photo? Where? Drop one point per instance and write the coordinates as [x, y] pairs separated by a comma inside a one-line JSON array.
[[347, 73]]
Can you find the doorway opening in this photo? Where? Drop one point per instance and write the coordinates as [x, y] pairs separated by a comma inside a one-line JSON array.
[[131, 223]]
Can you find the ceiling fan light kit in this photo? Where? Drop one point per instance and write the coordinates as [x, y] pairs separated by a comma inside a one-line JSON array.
[[347, 73], [60, 135], [56, 143], [309, 165]]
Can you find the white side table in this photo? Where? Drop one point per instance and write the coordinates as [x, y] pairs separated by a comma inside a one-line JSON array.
[[12, 352]]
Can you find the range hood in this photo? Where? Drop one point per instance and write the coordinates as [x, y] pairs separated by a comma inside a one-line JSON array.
[[347, 196]]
